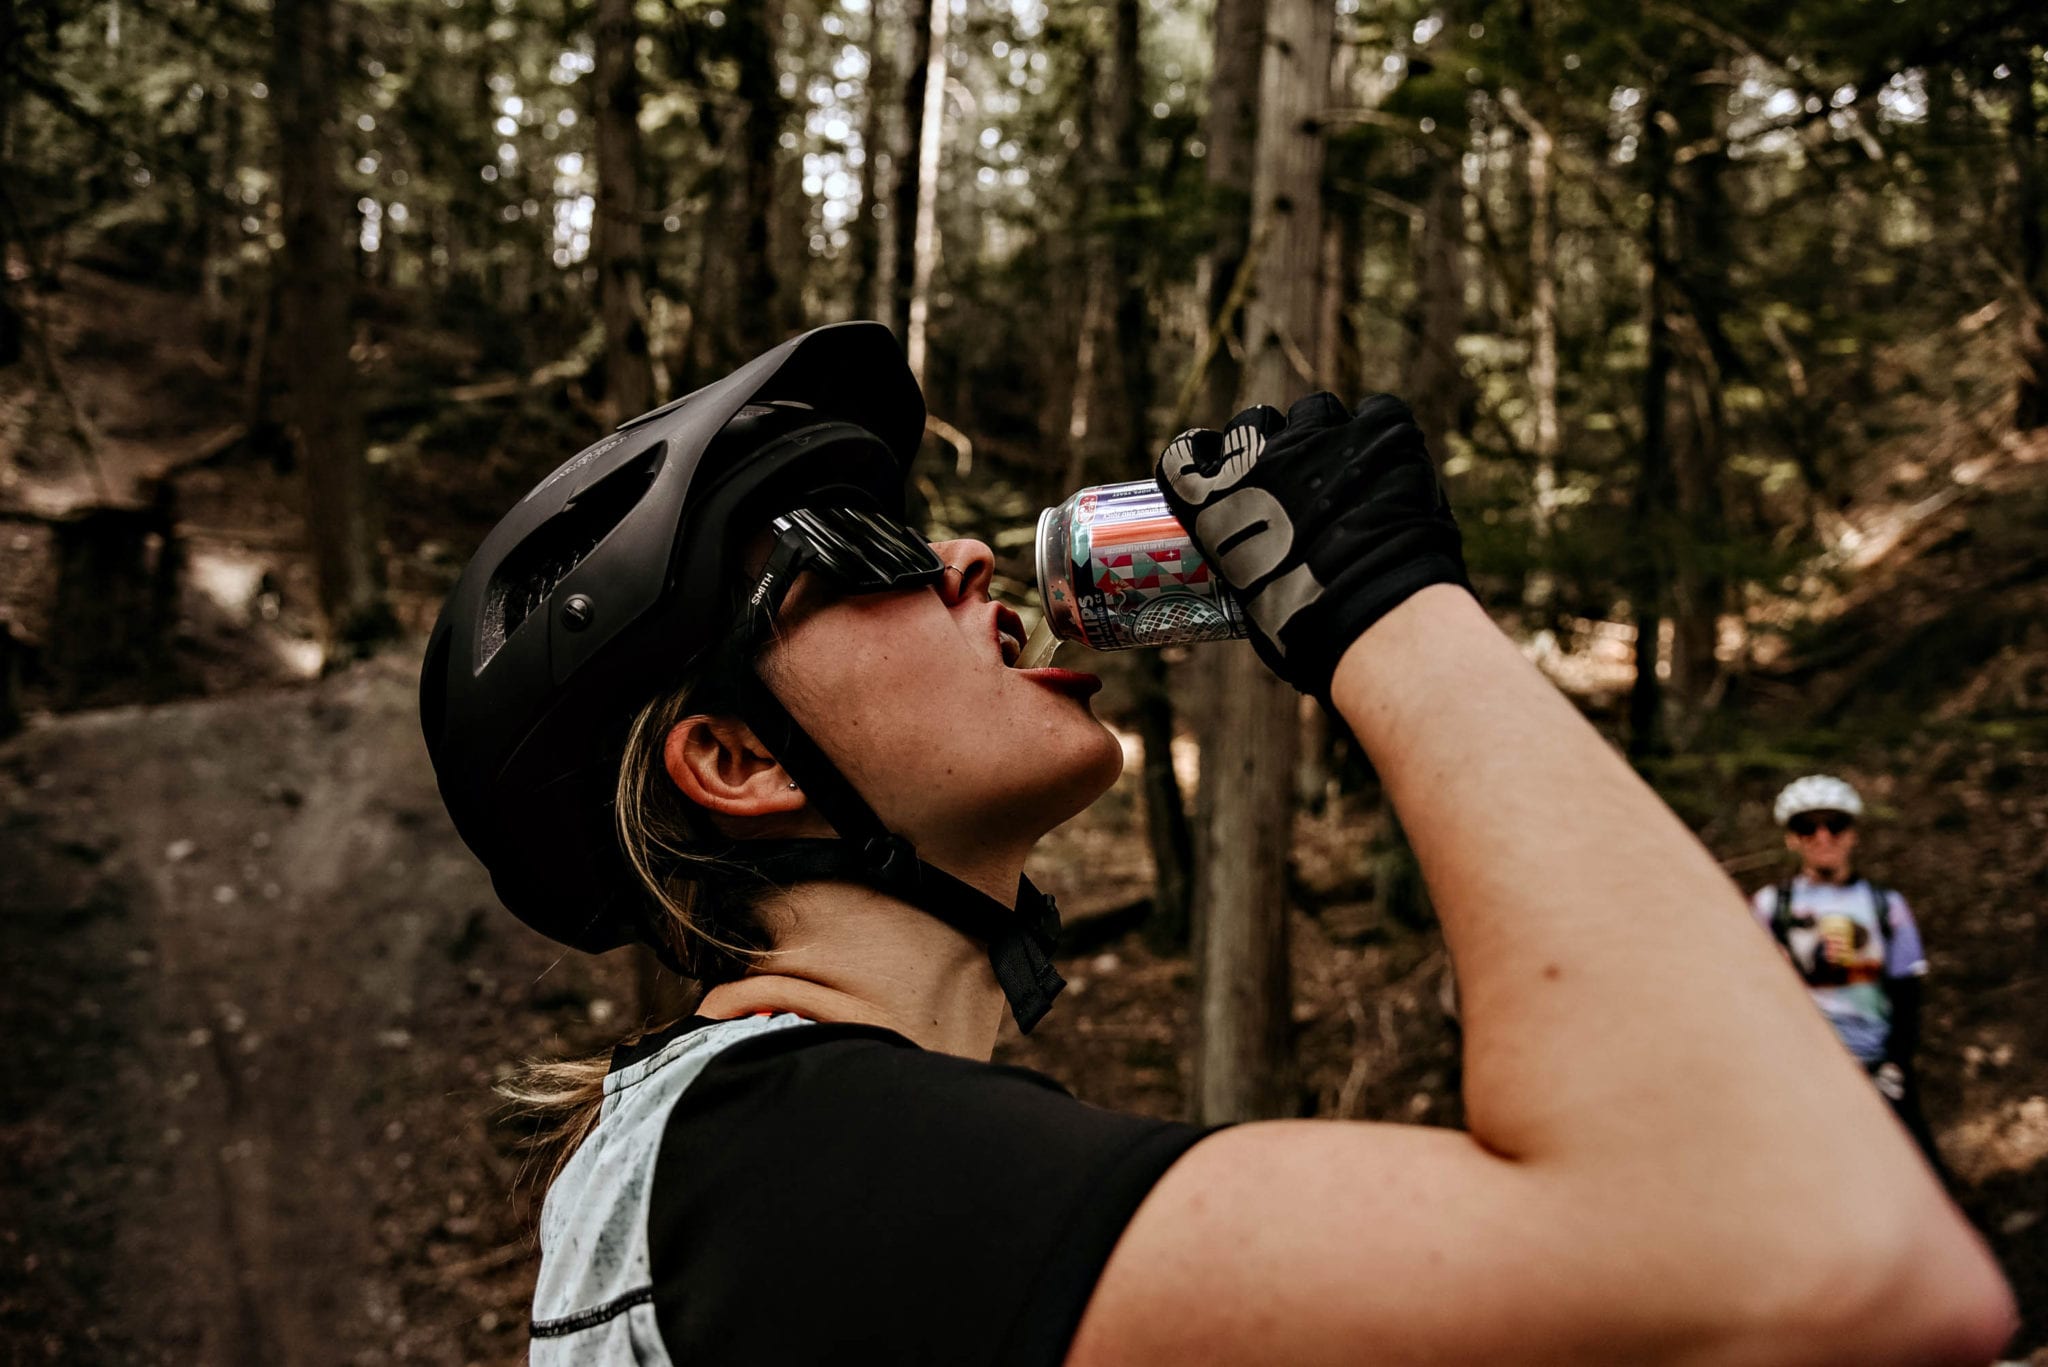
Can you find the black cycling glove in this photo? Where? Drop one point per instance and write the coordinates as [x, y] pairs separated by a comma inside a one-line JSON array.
[[1323, 521]]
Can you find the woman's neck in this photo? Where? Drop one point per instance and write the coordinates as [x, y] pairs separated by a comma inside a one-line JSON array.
[[849, 954]]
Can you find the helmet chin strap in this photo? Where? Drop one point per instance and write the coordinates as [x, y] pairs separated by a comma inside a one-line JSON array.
[[1020, 937]]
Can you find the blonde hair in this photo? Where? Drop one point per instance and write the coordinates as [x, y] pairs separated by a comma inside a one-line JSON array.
[[703, 915]]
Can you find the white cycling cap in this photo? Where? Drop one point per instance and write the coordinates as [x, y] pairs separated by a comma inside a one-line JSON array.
[[1816, 793]]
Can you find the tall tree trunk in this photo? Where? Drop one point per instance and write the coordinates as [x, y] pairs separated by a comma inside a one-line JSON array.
[[1701, 251], [342, 525], [2030, 397], [1545, 438], [867, 227], [628, 370], [1231, 135], [765, 313], [1335, 337], [924, 239], [12, 330], [1088, 266], [917, 33], [1539, 585], [1087, 335], [1654, 497], [1337, 368], [1243, 1067], [1166, 817]]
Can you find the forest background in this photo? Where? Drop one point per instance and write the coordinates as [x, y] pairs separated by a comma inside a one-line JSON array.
[[1727, 322]]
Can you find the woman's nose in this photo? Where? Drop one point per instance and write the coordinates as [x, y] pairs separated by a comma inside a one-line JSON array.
[[975, 564]]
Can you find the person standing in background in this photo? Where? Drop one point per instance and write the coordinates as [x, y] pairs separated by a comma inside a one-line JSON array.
[[1856, 944]]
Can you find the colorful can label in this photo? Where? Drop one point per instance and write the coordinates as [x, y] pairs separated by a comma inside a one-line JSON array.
[[1116, 570]]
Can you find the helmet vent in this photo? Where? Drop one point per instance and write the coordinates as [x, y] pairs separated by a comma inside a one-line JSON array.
[[528, 577]]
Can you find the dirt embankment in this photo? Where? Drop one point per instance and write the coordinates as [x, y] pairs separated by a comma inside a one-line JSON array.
[[258, 994]]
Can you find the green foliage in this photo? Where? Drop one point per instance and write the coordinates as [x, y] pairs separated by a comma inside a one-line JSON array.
[[1839, 202]]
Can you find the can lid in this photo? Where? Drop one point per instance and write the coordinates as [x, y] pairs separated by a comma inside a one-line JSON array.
[[1044, 566]]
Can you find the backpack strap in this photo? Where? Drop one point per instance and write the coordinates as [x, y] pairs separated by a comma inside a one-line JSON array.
[[1781, 915], [1881, 902]]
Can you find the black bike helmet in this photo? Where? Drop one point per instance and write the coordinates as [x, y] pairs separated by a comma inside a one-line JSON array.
[[602, 586]]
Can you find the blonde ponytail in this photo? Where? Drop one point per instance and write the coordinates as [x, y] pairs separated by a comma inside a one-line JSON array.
[[706, 928]]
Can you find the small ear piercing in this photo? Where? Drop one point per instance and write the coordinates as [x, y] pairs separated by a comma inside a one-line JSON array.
[[792, 785]]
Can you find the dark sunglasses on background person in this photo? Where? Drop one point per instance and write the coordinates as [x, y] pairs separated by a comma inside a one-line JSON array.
[[860, 552], [1806, 823]]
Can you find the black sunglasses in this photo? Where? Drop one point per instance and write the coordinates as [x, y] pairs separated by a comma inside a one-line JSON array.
[[861, 552], [1806, 823]]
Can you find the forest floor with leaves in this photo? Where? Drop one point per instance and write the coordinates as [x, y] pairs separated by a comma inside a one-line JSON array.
[[260, 994]]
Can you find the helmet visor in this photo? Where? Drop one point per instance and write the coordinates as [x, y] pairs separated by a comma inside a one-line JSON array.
[[861, 552]]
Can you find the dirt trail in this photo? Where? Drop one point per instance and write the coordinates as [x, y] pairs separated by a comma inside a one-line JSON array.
[[263, 904]]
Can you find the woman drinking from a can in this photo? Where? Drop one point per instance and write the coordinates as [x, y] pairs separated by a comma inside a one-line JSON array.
[[704, 690]]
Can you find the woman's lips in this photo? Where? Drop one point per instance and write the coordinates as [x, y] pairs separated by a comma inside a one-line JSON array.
[[1071, 682]]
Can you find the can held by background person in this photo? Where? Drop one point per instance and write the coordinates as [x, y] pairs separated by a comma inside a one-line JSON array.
[[1117, 571]]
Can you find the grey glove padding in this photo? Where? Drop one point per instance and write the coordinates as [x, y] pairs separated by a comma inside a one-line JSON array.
[[1323, 522]]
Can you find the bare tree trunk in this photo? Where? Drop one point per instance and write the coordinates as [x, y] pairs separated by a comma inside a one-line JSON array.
[[1166, 817], [1243, 1067], [629, 372], [220, 168], [1701, 253], [2030, 397], [924, 242], [1543, 320], [765, 312], [916, 68], [13, 333], [342, 524], [1337, 368], [1080, 410], [1545, 438], [1231, 134], [867, 227], [1653, 488]]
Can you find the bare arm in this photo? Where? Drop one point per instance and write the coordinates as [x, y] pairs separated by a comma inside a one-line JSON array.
[[1669, 1158]]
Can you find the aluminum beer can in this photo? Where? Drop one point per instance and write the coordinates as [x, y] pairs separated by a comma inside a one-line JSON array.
[[1116, 570]]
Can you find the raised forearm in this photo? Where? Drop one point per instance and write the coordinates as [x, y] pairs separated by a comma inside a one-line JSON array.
[[1630, 1037], [1611, 979]]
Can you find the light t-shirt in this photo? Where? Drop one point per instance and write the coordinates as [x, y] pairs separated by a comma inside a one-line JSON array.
[[1837, 943]]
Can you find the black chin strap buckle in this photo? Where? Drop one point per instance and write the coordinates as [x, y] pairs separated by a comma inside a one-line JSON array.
[[1022, 956], [893, 866]]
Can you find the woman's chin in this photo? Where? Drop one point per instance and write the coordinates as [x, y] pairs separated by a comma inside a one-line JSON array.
[[1064, 791], [1094, 777]]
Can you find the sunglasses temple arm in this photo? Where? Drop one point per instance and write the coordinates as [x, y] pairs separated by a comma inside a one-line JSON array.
[[785, 563]]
